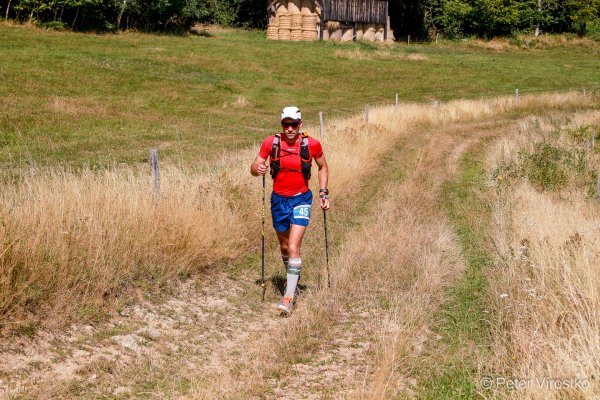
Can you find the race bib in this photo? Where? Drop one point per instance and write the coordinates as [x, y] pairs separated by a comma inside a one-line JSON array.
[[302, 211]]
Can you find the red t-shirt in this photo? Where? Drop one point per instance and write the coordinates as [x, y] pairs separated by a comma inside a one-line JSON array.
[[290, 183]]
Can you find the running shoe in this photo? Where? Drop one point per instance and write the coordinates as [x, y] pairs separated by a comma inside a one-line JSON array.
[[286, 305]]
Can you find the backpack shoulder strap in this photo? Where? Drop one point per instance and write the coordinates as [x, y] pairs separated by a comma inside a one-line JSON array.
[[304, 147], [276, 147], [305, 160]]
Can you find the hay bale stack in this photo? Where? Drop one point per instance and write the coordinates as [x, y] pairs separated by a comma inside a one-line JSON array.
[[296, 35], [309, 27], [296, 27], [336, 35], [308, 7], [390, 36], [281, 7], [347, 35], [283, 34], [294, 6], [379, 34], [273, 31], [310, 22], [283, 20], [296, 21], [310, 36], [369, 34], [359, 31], [284, 26], [333, 26]]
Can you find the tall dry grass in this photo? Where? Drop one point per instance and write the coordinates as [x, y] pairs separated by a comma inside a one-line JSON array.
[[400, 253], [545, 286], [544, 41], [389, 272], [72, 241]]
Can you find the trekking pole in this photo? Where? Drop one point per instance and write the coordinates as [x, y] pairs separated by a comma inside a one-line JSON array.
[[326, 249], [262, 283]]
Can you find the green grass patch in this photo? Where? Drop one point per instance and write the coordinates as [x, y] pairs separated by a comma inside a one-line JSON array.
[[463, 320], [97, 100], [563, 160], [544, 167]]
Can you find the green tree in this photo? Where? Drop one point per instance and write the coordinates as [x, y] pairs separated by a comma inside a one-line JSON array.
[[582, 13]]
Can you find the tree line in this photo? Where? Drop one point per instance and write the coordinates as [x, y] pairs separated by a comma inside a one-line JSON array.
[[490, 18], [419, 18], [144, 15]]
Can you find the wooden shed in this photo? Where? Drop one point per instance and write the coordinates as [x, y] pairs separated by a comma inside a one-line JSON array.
[[337, 20]]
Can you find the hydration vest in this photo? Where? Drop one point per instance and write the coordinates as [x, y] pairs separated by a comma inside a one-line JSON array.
[[304, 157]]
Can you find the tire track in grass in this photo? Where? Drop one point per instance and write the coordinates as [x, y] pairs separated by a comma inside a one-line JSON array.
[[464, 319], [390, 278]]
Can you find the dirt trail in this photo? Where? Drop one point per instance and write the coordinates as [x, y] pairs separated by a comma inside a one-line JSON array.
[[385, 310], [200, 325], [213, 339]]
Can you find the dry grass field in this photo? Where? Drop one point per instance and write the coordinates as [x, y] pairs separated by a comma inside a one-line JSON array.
[[462, 236], [546, 230], [398, 257]]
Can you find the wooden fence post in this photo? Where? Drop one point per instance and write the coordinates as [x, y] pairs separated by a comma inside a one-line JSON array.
[[593, 136], [366, 114], [598, 187], [396, 102], [155, 170], [321, 125], [517, 95], [409, 40]]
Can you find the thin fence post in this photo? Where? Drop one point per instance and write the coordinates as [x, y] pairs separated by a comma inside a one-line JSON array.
[[517, 95], [593, 136], [396, 101], [409, 40], [321, 124], [366, 113], [155, 170], [436, 104], [598, 187]]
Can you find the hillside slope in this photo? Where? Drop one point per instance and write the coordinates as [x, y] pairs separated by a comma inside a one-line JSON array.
[[395, 254]]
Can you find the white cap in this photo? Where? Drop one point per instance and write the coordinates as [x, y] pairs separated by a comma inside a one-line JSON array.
[[291, 113]]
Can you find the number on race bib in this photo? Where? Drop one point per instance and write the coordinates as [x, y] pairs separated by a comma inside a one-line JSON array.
[[302, 211]]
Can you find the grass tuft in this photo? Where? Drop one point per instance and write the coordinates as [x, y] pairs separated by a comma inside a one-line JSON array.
[[464, 319]]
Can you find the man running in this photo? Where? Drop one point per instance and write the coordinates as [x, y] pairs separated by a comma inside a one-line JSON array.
[[290, 158]]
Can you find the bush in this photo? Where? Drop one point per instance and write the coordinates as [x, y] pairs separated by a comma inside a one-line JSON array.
[[543, 167], [54, 25]]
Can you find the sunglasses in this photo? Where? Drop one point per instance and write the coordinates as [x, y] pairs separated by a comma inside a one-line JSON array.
[[292, 124]]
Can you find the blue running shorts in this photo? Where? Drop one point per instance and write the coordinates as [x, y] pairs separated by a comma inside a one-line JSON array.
[[290, 210]]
